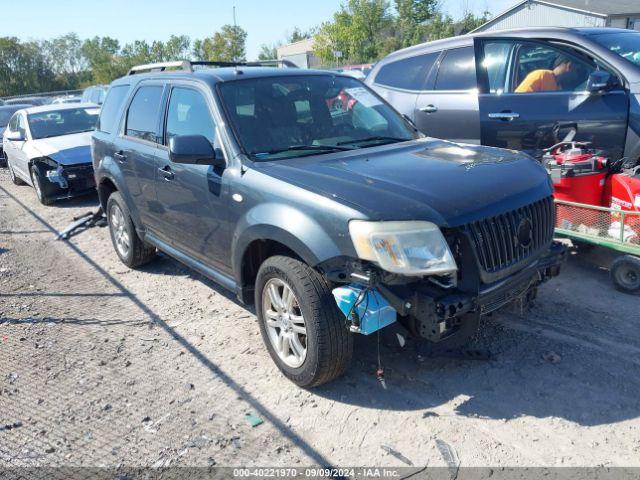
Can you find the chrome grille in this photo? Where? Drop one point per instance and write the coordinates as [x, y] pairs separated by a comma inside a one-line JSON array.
[[509, 238]]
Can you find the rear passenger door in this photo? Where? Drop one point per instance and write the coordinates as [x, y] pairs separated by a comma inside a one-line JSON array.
[[536, 120], [449, 109], [137, 149], [400, 82]]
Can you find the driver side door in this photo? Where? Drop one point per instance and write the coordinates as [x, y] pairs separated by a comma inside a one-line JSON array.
[[537, 120]]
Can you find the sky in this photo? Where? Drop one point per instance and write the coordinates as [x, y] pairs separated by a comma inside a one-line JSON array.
[[266, 21]]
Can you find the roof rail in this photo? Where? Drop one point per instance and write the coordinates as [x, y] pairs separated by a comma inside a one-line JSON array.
[[160, 67], [187, 65]]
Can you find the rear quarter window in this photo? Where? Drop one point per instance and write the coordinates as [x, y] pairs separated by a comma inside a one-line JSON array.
[[408, 73], [457, 70], [111, 108]]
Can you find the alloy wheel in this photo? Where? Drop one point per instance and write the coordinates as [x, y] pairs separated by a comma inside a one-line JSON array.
[[285, 323], [119, 229]]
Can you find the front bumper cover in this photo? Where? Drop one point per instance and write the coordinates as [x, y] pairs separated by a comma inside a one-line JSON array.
[[437, 316], [67, 181]]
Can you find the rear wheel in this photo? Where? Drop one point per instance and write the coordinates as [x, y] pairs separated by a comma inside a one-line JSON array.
[[131, 250], [38, 185], [12, 175], [301, 326], [625, 274]]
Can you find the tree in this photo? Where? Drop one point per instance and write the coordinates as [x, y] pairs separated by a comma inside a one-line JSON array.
[[227, 45], [298, 35], [268, 52], [412, 19], [102, 54], [470, 22], [24, 68], [357, 31]]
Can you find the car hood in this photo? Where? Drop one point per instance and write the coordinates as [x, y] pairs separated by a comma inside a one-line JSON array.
[[443, 182], [66, 149]]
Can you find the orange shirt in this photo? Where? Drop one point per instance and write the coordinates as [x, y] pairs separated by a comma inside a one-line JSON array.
[[538, 81]]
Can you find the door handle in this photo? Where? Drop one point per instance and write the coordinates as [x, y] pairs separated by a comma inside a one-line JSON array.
[[429, 109], [167, 173], [505, 116], [120, 156]]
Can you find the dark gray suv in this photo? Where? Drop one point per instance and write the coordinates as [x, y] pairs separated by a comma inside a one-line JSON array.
[[333, 221], [521, 89]]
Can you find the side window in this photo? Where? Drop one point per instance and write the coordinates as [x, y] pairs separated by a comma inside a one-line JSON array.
[[111, 108], [409, 73], [457, 70], [542, 68], [495, 65], [188, 114], [22, 125], [13, 123], [142, 116]]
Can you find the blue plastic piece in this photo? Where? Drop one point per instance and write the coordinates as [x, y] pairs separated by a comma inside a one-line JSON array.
[[378, 313]]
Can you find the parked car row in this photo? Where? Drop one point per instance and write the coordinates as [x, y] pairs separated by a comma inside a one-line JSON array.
[[94, 94], [309, 196]]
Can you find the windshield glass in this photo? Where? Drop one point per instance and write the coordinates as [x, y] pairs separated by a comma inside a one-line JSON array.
[[290, 116], [55, 123], [627, 45]]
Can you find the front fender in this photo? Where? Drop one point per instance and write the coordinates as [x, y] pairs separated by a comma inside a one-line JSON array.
[[286, 225]]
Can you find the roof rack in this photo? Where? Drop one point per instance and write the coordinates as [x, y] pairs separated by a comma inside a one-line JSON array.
[[187, 65]]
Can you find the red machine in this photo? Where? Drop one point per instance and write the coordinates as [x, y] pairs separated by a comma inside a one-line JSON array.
[[583, 175], [598, 202]]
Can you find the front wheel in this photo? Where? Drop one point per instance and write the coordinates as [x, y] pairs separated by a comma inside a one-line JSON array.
[[625, 274], [305, 333], [39, 186], [12, 175]]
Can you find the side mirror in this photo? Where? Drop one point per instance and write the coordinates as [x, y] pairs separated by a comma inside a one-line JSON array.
[[599, 81], [193, 150], [15, 137]]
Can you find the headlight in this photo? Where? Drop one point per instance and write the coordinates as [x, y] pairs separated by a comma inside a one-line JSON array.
[[407, 248]]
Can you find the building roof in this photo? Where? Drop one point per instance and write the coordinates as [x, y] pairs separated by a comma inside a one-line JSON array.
[[601, 7]]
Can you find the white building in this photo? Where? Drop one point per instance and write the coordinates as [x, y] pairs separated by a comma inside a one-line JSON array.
[[568, 13], [300, 53]]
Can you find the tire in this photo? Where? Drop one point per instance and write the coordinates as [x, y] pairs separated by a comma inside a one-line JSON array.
[[328, 342], [625, 274], [123, 232], [39, 186], [14, 179]]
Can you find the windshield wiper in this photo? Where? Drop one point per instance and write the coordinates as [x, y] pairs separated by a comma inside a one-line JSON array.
[[291, 148], [373, 139]]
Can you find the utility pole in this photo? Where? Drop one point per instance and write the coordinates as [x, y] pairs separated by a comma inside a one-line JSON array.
[[235, 32]]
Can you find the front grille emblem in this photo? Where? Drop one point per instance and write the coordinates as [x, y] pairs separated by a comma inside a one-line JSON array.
[[525, 233]]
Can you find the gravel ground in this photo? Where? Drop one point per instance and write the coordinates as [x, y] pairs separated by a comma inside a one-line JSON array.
[[104, 366]]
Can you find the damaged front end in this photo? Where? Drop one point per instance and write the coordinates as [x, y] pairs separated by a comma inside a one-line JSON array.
[[499, 261], [64, 181]]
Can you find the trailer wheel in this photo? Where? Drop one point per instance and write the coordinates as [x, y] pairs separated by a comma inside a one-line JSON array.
[[625, 273]]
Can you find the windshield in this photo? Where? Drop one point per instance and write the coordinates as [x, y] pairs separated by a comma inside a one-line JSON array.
[[290, 116], [627, 45], [55, 123]]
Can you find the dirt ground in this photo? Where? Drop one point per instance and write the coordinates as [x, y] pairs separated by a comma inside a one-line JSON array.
[[104, 366]]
